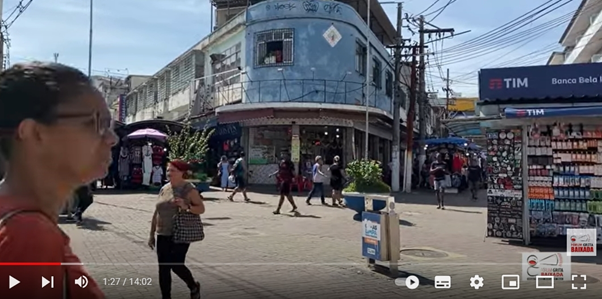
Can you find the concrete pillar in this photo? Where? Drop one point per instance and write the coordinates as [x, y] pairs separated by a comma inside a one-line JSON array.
[[350, 147]]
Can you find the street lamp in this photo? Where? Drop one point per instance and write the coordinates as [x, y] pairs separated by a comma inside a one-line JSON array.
[[367, 85], [90, 39]]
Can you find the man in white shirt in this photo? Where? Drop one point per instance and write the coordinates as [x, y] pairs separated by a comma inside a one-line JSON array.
[[318, 178]]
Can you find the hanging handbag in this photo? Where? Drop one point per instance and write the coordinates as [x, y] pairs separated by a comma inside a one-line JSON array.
[[187, 227]]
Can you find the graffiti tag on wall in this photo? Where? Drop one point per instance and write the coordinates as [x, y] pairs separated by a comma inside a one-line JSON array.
[[281, 6], [332, 7], [310, 6]]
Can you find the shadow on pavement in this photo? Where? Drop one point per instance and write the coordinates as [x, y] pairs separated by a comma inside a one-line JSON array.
[[113, 191], [463, 211], [299, 215], [406, 223], [93, 224], [427, 197], [554, 245]]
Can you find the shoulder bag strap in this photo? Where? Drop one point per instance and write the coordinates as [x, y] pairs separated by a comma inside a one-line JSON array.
[[13, 213]]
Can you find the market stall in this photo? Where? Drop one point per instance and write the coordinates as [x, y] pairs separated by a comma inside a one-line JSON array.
[[454, 151], [544, 170], [142, 159]]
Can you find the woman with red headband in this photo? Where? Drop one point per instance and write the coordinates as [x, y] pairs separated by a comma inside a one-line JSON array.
[[176, 196]]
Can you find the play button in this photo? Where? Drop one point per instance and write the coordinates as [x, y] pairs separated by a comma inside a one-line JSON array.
[[12, 282], [412, 282]]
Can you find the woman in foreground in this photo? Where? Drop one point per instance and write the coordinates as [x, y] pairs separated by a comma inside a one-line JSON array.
[[56, 135], [177, 195]]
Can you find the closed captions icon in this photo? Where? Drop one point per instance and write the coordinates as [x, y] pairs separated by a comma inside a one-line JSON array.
[[442, 282]]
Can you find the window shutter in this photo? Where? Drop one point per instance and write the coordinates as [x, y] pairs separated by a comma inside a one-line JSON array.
[[287, 50], [261, 52]]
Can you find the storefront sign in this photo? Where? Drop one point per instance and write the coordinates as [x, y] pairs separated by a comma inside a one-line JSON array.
[[295, 149], [121, 108], [546, 265], [553, 112], [535, 82], [371, 235], [227, 131], [461, 104]]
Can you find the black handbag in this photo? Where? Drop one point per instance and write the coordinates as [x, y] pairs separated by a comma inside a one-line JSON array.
[[188, 227]]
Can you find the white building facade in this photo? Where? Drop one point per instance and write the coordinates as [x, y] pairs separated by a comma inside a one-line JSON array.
[[582, 39]]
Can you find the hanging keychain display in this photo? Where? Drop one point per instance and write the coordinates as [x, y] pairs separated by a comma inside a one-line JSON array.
[[504, 184]]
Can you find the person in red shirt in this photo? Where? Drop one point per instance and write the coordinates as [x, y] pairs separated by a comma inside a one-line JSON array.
[[56, 135], [286, 173]]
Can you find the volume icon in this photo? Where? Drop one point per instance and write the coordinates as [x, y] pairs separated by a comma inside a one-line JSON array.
[[46, 282]]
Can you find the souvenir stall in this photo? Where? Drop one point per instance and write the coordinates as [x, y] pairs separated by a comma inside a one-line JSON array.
[[142, 159], [544, 164], [453, 150]]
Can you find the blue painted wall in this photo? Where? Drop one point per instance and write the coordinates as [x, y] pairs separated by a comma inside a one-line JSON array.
[[329, 81]]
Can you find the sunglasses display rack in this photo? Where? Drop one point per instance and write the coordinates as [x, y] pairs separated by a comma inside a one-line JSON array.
[[505, 184], [565, 178]]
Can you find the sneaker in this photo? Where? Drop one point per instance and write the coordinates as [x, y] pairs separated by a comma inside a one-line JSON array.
[[196, 292]]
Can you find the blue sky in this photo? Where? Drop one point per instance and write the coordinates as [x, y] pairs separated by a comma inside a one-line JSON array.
[[140, 37]]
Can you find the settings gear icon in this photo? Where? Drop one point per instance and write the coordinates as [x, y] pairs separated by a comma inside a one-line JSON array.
[[476, 282]]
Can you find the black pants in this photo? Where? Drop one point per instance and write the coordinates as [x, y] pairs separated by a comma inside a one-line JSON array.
[[83, 204], [317, 187], [171, 257]]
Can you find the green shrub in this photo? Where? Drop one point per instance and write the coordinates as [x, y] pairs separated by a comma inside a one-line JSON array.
[[366, 176]]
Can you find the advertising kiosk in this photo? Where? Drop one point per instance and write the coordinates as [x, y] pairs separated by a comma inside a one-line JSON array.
[[544, 170]]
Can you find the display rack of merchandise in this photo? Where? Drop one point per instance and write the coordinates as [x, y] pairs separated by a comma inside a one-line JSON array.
[[505, 184], [568, 159]]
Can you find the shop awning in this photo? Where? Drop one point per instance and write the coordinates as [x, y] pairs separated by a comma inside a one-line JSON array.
[[533, 83], [553, 112], [449, 140]]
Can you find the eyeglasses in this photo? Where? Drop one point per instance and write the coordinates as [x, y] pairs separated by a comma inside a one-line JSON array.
[[103, 124]]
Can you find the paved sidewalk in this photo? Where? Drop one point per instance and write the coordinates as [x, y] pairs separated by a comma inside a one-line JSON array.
[[250, 253]]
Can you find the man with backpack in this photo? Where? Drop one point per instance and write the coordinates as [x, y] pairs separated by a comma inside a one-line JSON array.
[[239, 172]]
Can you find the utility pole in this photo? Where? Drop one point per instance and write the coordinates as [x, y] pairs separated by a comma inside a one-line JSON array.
[[447, 103], [90, 39], [56, 57], [397, 94], [422, 97], [368, 83], [409, 159]]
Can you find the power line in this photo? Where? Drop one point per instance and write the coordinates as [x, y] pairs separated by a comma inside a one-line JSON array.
[[440, 10], [429, 7], [505, 27]]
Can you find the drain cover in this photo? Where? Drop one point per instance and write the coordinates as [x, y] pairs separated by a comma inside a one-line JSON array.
[[424, 253]]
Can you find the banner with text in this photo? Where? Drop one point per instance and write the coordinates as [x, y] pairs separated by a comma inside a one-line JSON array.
[[535, 82]]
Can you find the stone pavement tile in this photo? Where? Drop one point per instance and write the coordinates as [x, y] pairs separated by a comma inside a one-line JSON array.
[[251, 253]]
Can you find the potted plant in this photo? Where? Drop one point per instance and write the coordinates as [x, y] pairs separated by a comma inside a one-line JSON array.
[[366, 179], [191, 145]]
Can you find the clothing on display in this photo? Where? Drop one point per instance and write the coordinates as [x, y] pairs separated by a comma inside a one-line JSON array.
[[124, 163], [504, 184], [136, 154], [158, 153], [147, 165], [136, 175], [157, 175]]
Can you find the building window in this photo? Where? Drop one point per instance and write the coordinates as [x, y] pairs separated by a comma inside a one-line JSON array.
[[274, 47], [376, 74], [389, 84], [360, 58], [227, 66]]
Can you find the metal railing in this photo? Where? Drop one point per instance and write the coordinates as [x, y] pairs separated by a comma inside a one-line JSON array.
[[299, 90]]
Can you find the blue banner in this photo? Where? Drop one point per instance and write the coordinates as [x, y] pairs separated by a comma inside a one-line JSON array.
[[553, 112], [371, 235], [537, 82]]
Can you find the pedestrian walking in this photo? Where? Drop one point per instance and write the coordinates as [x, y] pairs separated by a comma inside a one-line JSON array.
[[177, 196], [223, 169], [84, 200], [474, 177], [337, 180], [239, 171], [55, 133], [285, 173], [318, 178], [439, 171]]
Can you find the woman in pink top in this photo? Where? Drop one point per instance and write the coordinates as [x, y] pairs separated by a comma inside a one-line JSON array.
[[56, 135]]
